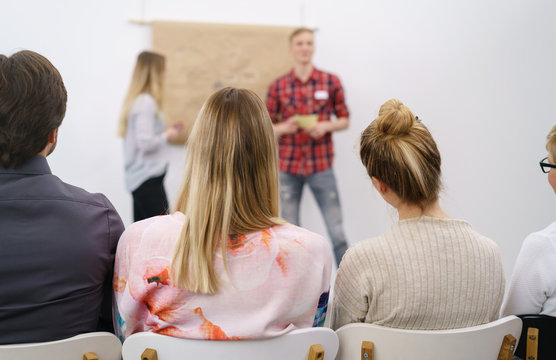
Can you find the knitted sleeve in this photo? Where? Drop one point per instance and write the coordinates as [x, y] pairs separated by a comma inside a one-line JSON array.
[[350, 301]]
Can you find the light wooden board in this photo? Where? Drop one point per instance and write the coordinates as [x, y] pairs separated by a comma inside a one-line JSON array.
[[202, 58]]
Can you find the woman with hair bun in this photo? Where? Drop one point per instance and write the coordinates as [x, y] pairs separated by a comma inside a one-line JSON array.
[[428, 271]]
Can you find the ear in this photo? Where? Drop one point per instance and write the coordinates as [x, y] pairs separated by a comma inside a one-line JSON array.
[[381, 187], [52, 136]]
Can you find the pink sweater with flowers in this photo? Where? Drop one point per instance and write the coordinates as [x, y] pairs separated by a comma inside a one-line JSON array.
[[277, 281]]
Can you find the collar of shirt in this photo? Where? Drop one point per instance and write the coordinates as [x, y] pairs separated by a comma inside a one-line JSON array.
[[314, 76], [37, 165]]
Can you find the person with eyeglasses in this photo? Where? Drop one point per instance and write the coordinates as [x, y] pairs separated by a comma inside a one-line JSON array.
[[533, 284]]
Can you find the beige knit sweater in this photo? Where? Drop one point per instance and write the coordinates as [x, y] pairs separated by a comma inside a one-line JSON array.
[[423, 273]]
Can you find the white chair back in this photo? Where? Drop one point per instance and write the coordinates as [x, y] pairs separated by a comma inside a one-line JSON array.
[[294, 345], [106, 346], [478, 342]]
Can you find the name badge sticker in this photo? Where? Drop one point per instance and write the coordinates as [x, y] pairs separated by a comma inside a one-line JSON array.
[[321, 95]]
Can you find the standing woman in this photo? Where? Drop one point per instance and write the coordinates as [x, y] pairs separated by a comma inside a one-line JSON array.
[[223, 266], [428, 271], [142, 125]]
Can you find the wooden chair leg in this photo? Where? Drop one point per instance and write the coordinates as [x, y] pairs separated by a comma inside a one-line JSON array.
[[532, 344], [367, 350], [507, 348], [316, 352], [90, 356], [149, 354]]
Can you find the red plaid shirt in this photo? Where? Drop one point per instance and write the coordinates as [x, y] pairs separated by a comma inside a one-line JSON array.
[[321, 94]]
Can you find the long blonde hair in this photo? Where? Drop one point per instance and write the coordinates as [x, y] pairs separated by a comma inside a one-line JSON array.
[[399, 150], [551, 143], [147, 78], [230, 184]]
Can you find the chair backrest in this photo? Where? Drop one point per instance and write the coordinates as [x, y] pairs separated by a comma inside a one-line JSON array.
[[546, 325], [481, 342], [294, 345], [106, 346]]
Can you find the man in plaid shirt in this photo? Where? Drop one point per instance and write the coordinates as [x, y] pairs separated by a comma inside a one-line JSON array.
[[305, 142]]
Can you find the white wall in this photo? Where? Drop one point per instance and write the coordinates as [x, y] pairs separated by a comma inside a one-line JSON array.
[[480, 73]]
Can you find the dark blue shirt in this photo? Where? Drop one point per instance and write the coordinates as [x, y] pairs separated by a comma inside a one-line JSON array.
[[57, 246]]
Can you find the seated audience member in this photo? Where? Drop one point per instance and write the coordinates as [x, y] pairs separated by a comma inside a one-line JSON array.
[[533, 284], [428, 271], [223, 266], [58, 241]]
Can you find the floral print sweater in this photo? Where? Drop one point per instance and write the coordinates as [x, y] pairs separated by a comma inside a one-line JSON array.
[[277, 280]]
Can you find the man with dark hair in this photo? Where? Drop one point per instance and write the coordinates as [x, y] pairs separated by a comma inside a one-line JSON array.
[[57, 241], [301, 105]]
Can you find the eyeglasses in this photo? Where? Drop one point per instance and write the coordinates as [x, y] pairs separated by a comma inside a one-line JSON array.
[[545, 166]]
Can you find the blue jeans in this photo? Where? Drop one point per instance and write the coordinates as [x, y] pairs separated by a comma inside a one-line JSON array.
[[323, 187]]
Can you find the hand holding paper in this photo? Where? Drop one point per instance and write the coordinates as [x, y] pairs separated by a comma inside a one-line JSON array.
[[307, 121]]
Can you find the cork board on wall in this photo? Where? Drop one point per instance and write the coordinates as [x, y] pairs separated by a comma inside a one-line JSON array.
[[202, 58]]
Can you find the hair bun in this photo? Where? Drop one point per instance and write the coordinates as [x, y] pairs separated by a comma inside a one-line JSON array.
[[394, 118]]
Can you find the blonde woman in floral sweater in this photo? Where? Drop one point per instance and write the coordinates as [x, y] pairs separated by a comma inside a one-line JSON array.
[[223, 266]]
